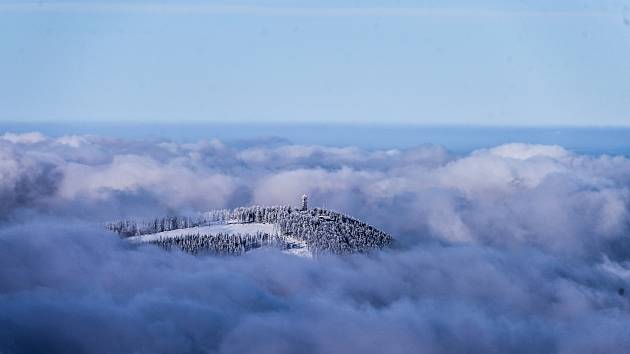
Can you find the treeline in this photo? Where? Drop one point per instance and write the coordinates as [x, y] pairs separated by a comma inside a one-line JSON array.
[[324, 231], [128, 228], [220, 244]]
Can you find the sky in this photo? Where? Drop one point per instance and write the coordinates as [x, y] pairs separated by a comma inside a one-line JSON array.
[[518, 63], [491, 139]]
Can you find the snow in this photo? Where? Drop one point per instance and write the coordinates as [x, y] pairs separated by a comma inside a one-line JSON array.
[[230, 228], [298, 247]]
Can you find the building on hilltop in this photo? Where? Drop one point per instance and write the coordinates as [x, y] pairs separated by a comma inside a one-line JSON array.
[[304, 202]]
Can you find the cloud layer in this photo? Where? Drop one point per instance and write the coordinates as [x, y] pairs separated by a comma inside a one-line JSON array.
[[515, 248]]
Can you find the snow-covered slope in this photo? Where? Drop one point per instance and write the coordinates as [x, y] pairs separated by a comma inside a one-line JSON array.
[[231, 229], [215, 229]]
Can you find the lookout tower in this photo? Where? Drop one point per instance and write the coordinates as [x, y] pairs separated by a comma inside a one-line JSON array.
[[304, 202]]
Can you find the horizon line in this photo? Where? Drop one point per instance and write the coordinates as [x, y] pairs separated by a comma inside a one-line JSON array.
[[322, 123]]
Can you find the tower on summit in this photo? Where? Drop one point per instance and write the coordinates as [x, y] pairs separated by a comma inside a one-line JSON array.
[[304, 202]]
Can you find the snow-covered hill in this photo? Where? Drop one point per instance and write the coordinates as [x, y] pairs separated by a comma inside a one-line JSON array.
[[301, 232]]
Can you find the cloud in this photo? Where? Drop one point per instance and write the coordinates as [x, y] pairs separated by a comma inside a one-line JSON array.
[[74, 141], [528, 151], [178, 185], [75, 288], [26, 179], [25, 138], [518, 248]]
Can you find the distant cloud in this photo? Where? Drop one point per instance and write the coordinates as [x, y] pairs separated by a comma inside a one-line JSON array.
[[25, 138]]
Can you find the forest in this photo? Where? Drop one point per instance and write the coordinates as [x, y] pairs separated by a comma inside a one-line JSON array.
[[324, 231]]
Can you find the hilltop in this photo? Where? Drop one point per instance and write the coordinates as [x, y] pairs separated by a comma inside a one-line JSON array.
[[298, 231]]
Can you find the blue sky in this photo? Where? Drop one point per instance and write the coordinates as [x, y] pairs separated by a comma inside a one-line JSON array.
[[448, 62]]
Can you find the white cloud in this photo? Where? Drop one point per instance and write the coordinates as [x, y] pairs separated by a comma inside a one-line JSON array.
[[25, 138], [526, 151], [74, 141], [176, 185]]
